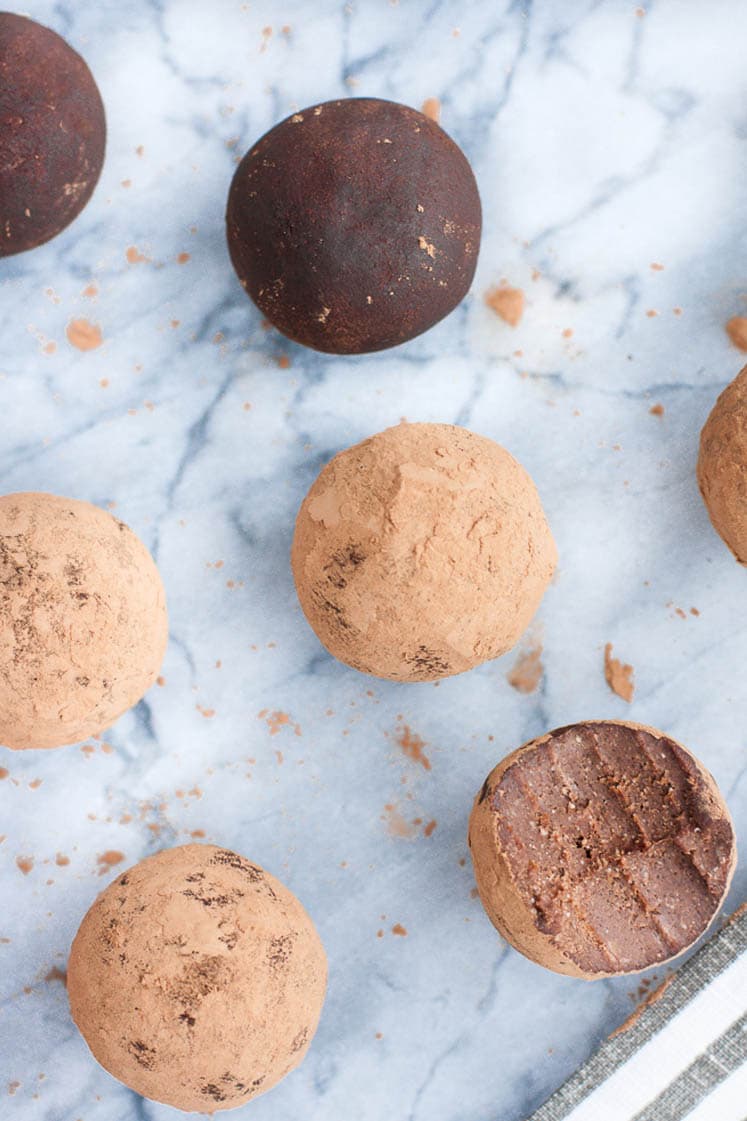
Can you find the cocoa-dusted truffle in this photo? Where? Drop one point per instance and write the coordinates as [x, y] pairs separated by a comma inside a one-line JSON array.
[[197, 979], [53, 134], [421, 552], [722, 466], [601, 848], [83, 624], [354, 225]]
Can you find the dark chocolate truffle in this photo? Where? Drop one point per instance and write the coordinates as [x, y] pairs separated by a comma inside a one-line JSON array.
[[354, 225], [53, 134], [722, 466], [601, 848], [197, 979]]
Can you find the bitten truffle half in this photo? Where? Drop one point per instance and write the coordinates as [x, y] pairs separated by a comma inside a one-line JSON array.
[[52, 134], [83, 624], [602, 848], [354, 225], [722, 466], [197, 979], [421, 552]]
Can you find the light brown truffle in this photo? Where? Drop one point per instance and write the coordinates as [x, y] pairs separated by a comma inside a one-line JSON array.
[[197, 979], [601, 848], [83, 624], [722, 466], [421, 552]]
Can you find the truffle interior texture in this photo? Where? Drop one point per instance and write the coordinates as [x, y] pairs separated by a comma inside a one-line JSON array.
[[616, 842]]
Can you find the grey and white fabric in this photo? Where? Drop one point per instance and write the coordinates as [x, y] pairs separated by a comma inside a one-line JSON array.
[[683, 1058]]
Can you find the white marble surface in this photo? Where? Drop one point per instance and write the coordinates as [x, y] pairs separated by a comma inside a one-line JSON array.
[[603, 141]]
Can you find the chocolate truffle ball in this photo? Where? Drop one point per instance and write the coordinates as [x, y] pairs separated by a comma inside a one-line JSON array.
[[197, 979], [421, 552], [83, 624], [601, 848], [53, 134], [722, 466], [354, 225]]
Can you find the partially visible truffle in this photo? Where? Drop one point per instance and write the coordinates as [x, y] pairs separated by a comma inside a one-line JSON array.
[[53, 134], [83, 625], [601, 848], [722, 466], [421, 552], [197, 979], [354, 225]]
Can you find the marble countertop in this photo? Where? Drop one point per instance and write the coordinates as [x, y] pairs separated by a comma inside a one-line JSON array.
[[608, 143]]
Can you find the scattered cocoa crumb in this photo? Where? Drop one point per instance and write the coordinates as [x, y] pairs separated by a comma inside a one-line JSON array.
[[379, 1035], [25, 864], [428, 246], [160, 681], [135, 257], [3, 773], [284, 362], [508, 303], [182, 258], [83, 335], [652, 313], [108, 859], [736, 329], [397, 826], [126, 183], [399, 929], [656, 266], [694, 611], [139, 150], [35, 784], [527, 670], [412, 745], [61, 860], [104, 383], [50, 347], [657, 410], [568, 333], [428, 830], [56, 974], [677, 310], [276, 721], [432, 108], [619, 676], [90, 291], [197, 833], [12, 1087], [208, 713], [678, 611]]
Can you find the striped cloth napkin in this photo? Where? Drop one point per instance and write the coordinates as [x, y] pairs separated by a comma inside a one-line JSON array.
[[682, 1057]]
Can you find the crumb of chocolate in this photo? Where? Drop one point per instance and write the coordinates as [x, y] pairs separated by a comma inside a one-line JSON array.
[[618, 675], [508, 303], [527, 670], [736, 329]]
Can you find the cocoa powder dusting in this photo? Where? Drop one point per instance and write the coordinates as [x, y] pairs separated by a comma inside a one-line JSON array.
[[619, 676]]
